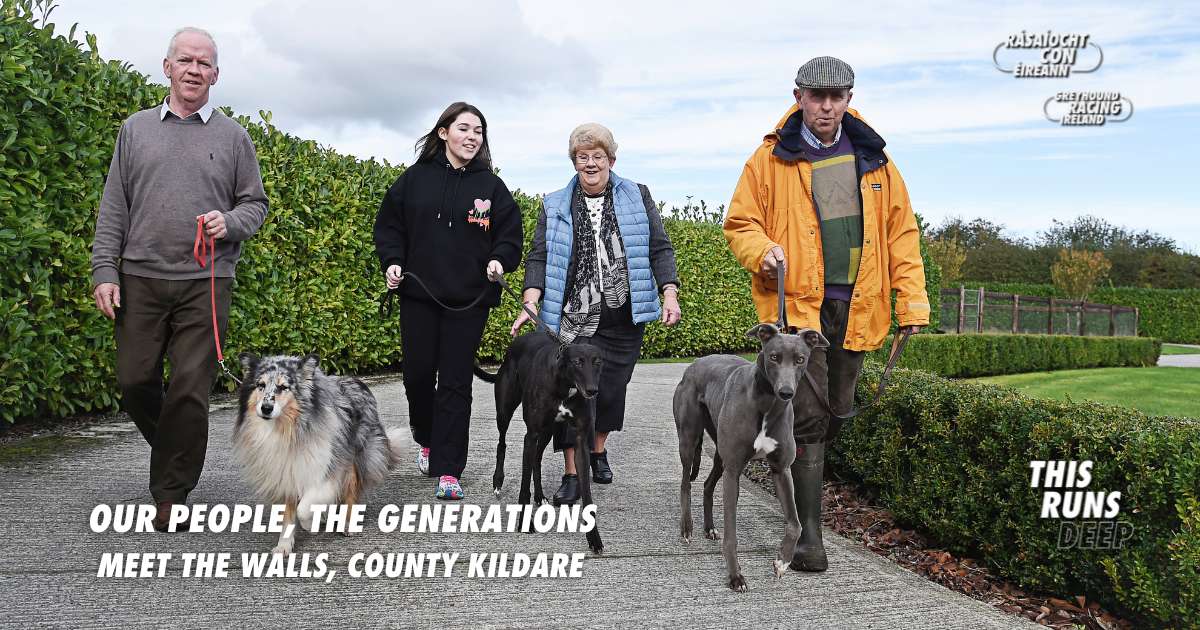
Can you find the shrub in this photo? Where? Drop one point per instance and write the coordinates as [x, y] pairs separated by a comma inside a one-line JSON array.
[[986, 355], [953, 458], [1077, 272]]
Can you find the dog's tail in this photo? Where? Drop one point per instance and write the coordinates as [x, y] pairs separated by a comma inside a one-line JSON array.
[[482, 374], [397, 439]]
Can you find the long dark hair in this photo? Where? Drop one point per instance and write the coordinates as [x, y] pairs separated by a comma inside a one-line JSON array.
[[431, 147]]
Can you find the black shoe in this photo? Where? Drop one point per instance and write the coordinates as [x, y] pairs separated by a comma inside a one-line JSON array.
[[568, 492], [601, 473]]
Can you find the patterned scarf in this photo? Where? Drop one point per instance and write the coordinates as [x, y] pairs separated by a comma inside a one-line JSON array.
[[594, 269]]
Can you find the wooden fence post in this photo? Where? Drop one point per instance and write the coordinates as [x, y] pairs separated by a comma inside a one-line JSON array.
[[1137, 315], [1082, 313], [1050, 317], [962, 299], [1016, 312], [1112, 320], [979, 311]]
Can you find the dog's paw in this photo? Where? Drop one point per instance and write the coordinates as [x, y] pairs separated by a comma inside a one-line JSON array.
[[685, 534], [304, 516], [780, 567], [712, 534], [496, 490], [595, 543], [738, 583], [282, 549]]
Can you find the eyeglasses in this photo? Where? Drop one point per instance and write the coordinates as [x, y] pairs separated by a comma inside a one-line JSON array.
[[582, 159]]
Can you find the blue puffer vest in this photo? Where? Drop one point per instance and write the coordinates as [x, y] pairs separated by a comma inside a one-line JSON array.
[[635, 234]]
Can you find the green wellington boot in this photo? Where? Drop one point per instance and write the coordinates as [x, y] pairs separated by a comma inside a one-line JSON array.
[[807, 472]]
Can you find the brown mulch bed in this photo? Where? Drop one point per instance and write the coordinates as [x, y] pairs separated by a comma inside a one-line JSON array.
[[849, 512]]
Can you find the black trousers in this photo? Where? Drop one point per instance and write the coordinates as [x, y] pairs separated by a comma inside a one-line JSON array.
[[620, 344], [439, 349], [170, 319], [836, 372]]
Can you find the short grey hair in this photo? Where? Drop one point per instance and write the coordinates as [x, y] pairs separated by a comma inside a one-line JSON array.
[[592, 135], [197, 31]]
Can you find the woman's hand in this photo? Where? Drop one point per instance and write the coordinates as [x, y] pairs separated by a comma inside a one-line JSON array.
[[393, 275], [523, 318], [671, 313], [494, 271]]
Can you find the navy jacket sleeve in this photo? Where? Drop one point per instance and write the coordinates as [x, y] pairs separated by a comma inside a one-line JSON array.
[[535, 262], [391, 238], [662, 254]]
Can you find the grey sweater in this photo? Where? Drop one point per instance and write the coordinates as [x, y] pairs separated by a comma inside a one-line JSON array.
[[163, 174]]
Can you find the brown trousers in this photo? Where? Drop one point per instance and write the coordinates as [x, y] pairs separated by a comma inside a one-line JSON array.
[[172, 319], [835, 371]]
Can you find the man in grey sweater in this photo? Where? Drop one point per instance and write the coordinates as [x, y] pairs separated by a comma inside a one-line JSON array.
[[173, 165]]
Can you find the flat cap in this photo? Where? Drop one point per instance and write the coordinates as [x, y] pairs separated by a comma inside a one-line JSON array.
[[825, 73]]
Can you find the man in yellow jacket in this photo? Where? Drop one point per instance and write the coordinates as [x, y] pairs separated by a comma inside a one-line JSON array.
[[820, 202]]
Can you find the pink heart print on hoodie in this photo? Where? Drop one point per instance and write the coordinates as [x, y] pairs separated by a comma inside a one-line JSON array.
[[481, 214]]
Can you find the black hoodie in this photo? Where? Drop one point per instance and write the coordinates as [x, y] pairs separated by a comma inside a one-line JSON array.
[[435, 221]]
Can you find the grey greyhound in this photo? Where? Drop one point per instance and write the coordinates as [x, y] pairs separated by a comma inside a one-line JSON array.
[[746, 408]]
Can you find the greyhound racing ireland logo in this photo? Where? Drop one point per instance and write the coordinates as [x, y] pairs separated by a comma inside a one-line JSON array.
[[1087, 109], [481, 214], [1047, 55]]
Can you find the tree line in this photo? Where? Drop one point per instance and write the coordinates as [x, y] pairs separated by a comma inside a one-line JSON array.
[[980, 250]]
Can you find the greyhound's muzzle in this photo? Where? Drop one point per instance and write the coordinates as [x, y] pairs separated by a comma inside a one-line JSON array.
[[785, 393], [590, 393]]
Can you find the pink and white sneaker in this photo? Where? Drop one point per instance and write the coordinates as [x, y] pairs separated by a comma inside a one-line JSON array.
[[449, 488], [423, 461]]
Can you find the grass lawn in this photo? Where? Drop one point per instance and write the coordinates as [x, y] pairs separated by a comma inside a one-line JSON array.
[[1170, 348], [1173, 391]]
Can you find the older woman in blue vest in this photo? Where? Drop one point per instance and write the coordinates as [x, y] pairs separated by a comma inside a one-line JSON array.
[[599, 261]]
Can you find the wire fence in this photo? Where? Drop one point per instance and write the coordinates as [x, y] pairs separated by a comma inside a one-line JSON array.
[[977, 311]]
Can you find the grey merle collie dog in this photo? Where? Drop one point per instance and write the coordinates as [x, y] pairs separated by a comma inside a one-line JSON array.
[[306, 438]]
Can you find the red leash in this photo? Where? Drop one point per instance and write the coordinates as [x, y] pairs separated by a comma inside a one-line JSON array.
[[205, 245]]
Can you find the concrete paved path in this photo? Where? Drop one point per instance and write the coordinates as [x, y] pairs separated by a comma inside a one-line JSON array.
[[1181, 360], [646, 577]]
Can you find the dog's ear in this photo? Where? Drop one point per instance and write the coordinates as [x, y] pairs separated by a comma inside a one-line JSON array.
[[814, 339], [249, 362], [308, 366], [763, 332]]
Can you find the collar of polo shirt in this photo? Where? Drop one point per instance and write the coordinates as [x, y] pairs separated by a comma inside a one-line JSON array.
[[204, 112]]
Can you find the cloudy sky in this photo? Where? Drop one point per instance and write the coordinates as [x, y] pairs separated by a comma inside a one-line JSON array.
[[690, 88]]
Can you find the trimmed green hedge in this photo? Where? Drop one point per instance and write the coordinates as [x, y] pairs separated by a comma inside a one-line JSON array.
[[60, 109], [1172, 315], [988, 354], [953, 457]]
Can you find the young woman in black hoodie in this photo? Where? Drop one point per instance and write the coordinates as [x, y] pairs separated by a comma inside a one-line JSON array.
[[451, 222]]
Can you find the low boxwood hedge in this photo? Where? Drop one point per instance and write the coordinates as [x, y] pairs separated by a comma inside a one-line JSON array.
[[963, 356], [953, 457]]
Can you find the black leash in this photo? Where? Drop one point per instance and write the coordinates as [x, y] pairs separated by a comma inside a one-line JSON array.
[[898, 342], [385, 303]]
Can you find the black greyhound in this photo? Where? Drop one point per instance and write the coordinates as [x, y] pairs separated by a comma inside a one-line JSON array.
[[552, 383]]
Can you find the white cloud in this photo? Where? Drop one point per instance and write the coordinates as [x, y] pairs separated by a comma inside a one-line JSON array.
[[688, 90]]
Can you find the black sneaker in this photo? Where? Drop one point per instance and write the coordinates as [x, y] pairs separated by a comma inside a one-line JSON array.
[[568, 492], [601, 473]]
